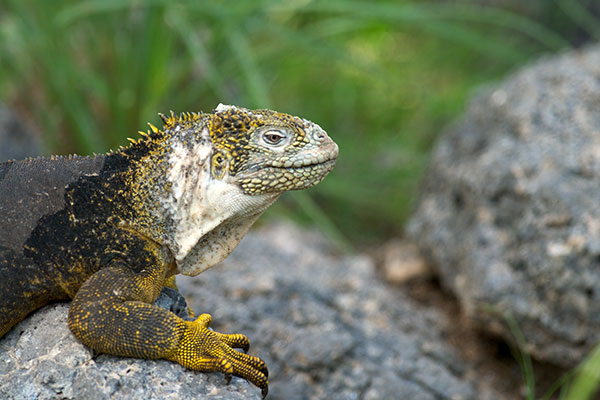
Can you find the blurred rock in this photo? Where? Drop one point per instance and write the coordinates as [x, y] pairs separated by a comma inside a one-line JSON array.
[[16, 140], [327, 327], [400, 261], [510, 210]]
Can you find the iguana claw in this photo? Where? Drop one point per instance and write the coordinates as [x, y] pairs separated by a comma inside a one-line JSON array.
[[205, 350]]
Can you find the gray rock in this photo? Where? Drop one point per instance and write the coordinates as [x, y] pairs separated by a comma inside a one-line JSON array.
[[16, 140], [325, 325], [510, 210], [41, 359]]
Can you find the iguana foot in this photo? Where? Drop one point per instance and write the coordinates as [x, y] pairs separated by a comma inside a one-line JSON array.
[[203, 349]]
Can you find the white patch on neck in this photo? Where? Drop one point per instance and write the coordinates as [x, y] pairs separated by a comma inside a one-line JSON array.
[[210, 215]]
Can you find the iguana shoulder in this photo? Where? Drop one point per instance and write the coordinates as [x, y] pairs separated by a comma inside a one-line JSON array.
[[110, 231]]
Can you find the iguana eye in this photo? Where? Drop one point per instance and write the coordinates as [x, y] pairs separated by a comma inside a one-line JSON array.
[[273, 138]]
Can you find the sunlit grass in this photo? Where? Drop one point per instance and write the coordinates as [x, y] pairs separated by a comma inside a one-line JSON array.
[[586, 381]]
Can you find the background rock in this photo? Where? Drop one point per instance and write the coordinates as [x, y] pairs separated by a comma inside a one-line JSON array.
[[16, 140], [510, 210], [325, 325], [401, 262]]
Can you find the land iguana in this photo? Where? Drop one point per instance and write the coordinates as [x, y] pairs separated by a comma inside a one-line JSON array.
[[110, 231]]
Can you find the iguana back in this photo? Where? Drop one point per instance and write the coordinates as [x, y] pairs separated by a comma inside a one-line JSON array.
[[29, 190], [33, 188]]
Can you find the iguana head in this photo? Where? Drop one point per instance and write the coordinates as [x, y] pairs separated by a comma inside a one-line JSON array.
[[224, 169], [264, 151]]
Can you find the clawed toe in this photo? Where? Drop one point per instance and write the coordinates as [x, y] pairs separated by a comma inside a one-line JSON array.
[[206, 350], [264, 370], [236, 341]]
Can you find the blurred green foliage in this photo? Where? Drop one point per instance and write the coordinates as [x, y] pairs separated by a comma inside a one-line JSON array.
[[382, 77]]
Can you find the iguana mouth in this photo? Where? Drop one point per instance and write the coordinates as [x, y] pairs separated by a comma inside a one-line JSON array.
[[271, 179], [300, 166], [320, 157], [293, 165], [326, 163]]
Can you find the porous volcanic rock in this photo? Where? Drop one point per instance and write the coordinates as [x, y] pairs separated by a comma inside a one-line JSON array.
[[510, 209]]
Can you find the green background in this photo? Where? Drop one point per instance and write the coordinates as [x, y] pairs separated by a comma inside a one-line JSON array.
[[382, 77]]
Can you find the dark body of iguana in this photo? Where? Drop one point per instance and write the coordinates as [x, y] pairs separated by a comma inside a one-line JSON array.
[[111, 231]]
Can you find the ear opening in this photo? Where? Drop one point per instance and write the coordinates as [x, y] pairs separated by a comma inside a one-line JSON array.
[[219, 163]]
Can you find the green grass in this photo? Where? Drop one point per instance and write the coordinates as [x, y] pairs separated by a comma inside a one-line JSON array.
[[579, 383], [586, 382], [382, 77]]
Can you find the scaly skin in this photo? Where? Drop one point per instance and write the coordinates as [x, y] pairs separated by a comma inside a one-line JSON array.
[[111, 231]]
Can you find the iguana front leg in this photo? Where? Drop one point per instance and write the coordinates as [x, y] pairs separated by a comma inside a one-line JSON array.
[[111, 313]]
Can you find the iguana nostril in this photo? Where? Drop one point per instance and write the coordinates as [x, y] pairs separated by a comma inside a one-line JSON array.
[[319, 135]]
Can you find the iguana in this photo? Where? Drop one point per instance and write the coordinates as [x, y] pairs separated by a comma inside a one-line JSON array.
[[110, 231]]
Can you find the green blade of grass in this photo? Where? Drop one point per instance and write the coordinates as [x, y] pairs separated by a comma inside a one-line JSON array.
[[58, 73], [321, 220], [256, 87], [470, 38], [582, 16], [560, 383], [198, 53], [587, 378], [520, 352], [152, 77], [83, 9], [313, 40], [501, 18]]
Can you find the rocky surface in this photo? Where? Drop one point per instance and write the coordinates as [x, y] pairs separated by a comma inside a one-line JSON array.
[[16, 140], [510, 210], [327, 327], [41, 359]]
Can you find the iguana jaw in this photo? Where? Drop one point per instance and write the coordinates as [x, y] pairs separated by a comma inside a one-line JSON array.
[[291, 175]]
